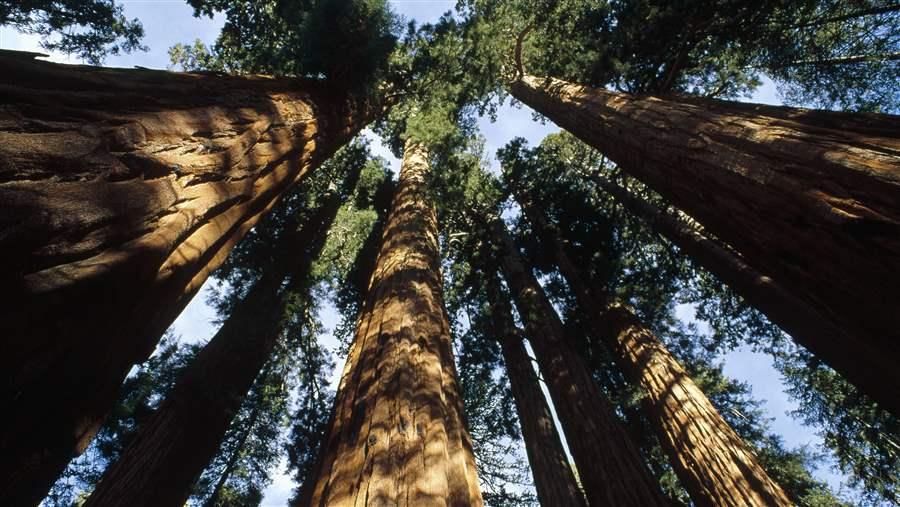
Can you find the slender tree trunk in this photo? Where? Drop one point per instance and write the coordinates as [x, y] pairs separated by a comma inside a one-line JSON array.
[[713, 463], [790, 314], [121, 191], [809, 198], [611, 468], [398, 434], [554, 479], [230, 465], [171, 449]]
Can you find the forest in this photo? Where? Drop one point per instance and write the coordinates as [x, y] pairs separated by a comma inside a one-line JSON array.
[[409, 312]]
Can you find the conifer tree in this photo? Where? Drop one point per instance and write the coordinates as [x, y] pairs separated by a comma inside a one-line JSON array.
[[188, 427], [117, 213], [554, 479], [398, 433]]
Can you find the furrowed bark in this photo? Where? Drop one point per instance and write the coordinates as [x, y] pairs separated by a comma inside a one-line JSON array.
[[792, 315], [808, 198], [611, 468], [713, 463], [398, 434], [121, 191], [554, 480], [171, 449]]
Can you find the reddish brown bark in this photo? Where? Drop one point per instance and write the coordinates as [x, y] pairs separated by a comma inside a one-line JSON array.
[[554, 479], [811, 199], [398, 434], [122, 190], [171, 448], [762, 292], [611, 469], [713, 463]]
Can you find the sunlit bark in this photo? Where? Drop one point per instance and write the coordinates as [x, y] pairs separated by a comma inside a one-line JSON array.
[[611, 468], [172, 448], [120, 191], [714, 464], [810, 199], [398, 434]]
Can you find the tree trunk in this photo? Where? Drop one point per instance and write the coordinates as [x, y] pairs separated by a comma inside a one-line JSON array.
[[398, 434], [554, 479], [122, 190], [611, 468], [808, 198], [171, 449], [714, 464], [790, 314]]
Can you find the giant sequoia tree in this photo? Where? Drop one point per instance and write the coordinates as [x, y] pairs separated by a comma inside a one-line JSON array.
[[787, 178], [124, 189], [397, 433], [713, 462], [188, 427]]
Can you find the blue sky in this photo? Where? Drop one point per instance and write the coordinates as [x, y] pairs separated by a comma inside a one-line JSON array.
[[167, 22]]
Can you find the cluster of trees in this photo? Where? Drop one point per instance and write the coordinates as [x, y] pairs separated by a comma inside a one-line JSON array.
[[465, 293]]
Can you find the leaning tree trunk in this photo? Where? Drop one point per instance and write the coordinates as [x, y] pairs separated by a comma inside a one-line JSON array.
[[610, 466], [554, 479], [171, 449], [120, 191], [398, 435], [781, 307], [714, 464], [809, 198]]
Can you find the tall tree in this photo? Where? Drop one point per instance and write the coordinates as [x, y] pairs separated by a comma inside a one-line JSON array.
[[397, 433], [712, 461], [173, 447], [554, 479], [788, 179], [701, 446], [116, 211], [612, 469]]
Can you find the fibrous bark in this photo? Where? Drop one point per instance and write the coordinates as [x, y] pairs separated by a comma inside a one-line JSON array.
[[810, 199], [792, 315], [121, 191], [172, 448], [611, 468], [713, 463], [398, 434], [554, 479]]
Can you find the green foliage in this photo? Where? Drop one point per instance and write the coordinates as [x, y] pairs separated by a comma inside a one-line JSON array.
[[89, 29], [622, 256], [836, 54], [346, 42]]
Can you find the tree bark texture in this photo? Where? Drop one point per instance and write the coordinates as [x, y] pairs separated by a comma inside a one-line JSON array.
[[785, 310], [121, 191], [808, 198], [554, 479], [398, 434], [611, 468], [172, 448], [713, 463]]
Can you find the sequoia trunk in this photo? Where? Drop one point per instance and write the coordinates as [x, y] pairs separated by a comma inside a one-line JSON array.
[[611, 468], [714, 464], [808, 198], [792, 315], [171, 449], [554, 479], [398, 434], [122, 190]]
